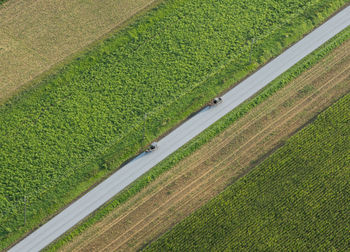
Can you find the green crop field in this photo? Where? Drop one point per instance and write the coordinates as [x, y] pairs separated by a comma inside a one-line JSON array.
[[297, 199], [88, 118]]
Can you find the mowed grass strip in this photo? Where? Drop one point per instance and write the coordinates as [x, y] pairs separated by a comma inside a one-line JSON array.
[[35, 35], [199, 177], [297, 199], [80, 124]]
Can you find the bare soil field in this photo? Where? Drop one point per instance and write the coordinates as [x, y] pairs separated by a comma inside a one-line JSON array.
[[198, 178], [37, 34]]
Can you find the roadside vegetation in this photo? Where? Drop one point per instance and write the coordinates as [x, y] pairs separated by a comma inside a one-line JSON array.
[[212, 161], [76, 126], [297, 199]]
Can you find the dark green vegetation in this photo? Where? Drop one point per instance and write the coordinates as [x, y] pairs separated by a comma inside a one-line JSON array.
[[297, 199], [206, 136], [83, 122]]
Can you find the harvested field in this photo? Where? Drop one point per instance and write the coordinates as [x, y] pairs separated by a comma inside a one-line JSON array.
[[37, 34], [233, 153]]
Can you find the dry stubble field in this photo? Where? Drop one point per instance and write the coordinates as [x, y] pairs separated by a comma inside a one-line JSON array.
[[217, 164], [37, 34]]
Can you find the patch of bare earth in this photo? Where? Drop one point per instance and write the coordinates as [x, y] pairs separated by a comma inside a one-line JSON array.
[[37, 34], [198, 178]]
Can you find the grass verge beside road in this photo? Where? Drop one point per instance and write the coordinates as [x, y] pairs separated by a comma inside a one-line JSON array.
[[279, 83]]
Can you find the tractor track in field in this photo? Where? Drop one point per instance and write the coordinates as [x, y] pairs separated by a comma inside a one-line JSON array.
[[196, 179]]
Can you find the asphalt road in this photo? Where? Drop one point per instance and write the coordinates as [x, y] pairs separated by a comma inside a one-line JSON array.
[[191, 128]]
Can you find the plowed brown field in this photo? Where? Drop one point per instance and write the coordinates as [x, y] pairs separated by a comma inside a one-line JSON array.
[[37, 34], [198, 178]]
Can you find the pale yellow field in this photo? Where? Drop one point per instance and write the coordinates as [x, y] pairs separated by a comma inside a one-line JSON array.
[[37, 34]]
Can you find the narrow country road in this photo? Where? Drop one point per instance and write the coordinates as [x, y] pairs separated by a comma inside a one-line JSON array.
[[91, 201]]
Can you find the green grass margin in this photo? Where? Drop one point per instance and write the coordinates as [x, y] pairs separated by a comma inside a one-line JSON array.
[[204, 137]]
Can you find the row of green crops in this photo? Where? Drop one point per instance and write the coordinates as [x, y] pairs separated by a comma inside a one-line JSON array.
[[296, 200], [87, 119], [205, 137]]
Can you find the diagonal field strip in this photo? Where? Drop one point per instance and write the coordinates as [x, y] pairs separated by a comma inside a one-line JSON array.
[[191, 128]]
